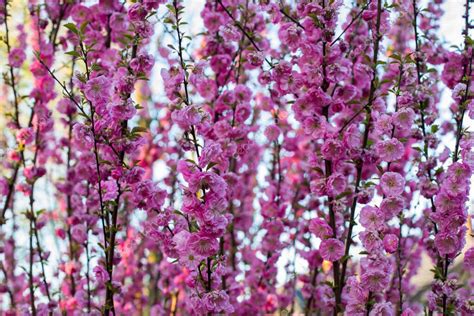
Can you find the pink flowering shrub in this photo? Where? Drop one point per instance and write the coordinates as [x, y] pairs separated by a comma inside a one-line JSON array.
[[166, 157]]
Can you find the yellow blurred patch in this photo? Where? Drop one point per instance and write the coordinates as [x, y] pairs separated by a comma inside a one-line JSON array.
[[326, 266], [152, 258], [174, 301], [469, 225], [199, 194]]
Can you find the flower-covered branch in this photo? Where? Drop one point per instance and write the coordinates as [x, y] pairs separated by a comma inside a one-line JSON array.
[[177, 157]]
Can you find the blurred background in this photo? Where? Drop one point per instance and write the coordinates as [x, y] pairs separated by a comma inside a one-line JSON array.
[[450, 32]]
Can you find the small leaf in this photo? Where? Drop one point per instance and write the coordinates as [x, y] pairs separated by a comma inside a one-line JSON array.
[[139, 129], [73, 53], [83, 26], [211, 164], [72, 27]]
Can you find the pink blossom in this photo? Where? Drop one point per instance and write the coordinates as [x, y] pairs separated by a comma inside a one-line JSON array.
[[371, 241], [16, 57], [392, 206], [203, 245], [469, 258], [408, 312], [272, 132], [333, 150], [79, 233], [375, 279], [390, 243], [137, 12], [118, 22], [142, 63], [390, 150], [210, 153], [3, 186], [186, 117], [331, 249], [271, 141], [212, 20], [320, 228], [218, 302], [32, 173], [98, 90], [101, 275], [315, 126], [336, 184], [25, 136], [111, 190], [60, 233], [371, 218], [404, 118], [80, 13], [447, 243], [392, 183], [382, 309]]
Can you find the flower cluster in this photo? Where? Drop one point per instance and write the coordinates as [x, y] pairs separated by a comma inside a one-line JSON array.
[[248, 157]]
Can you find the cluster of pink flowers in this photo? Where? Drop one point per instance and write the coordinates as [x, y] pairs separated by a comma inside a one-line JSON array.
[[277, 157]]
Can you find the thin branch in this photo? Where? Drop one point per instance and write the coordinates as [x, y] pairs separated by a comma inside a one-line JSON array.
[[365, 142], [242, 29], [292, 19], [350, 24]]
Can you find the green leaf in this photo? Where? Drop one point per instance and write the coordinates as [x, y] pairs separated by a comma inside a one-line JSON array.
[[438, 274], [96, 67], [73, 53], [469, 41], [139, 129], [396, 57], [210, 165], [83, 26], [178, 212], [191, 161], [343, 194], [72, 27], [345, 258]]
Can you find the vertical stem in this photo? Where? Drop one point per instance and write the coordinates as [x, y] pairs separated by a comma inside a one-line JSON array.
[[422, 104], [88, 262], [72, 252], [12, 182], [88, 259], [360, 163], [459, 125], [30, 272], [368, 305], [399, 268], [187, 102], [12, 76], [32, 216], [10, 293]]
